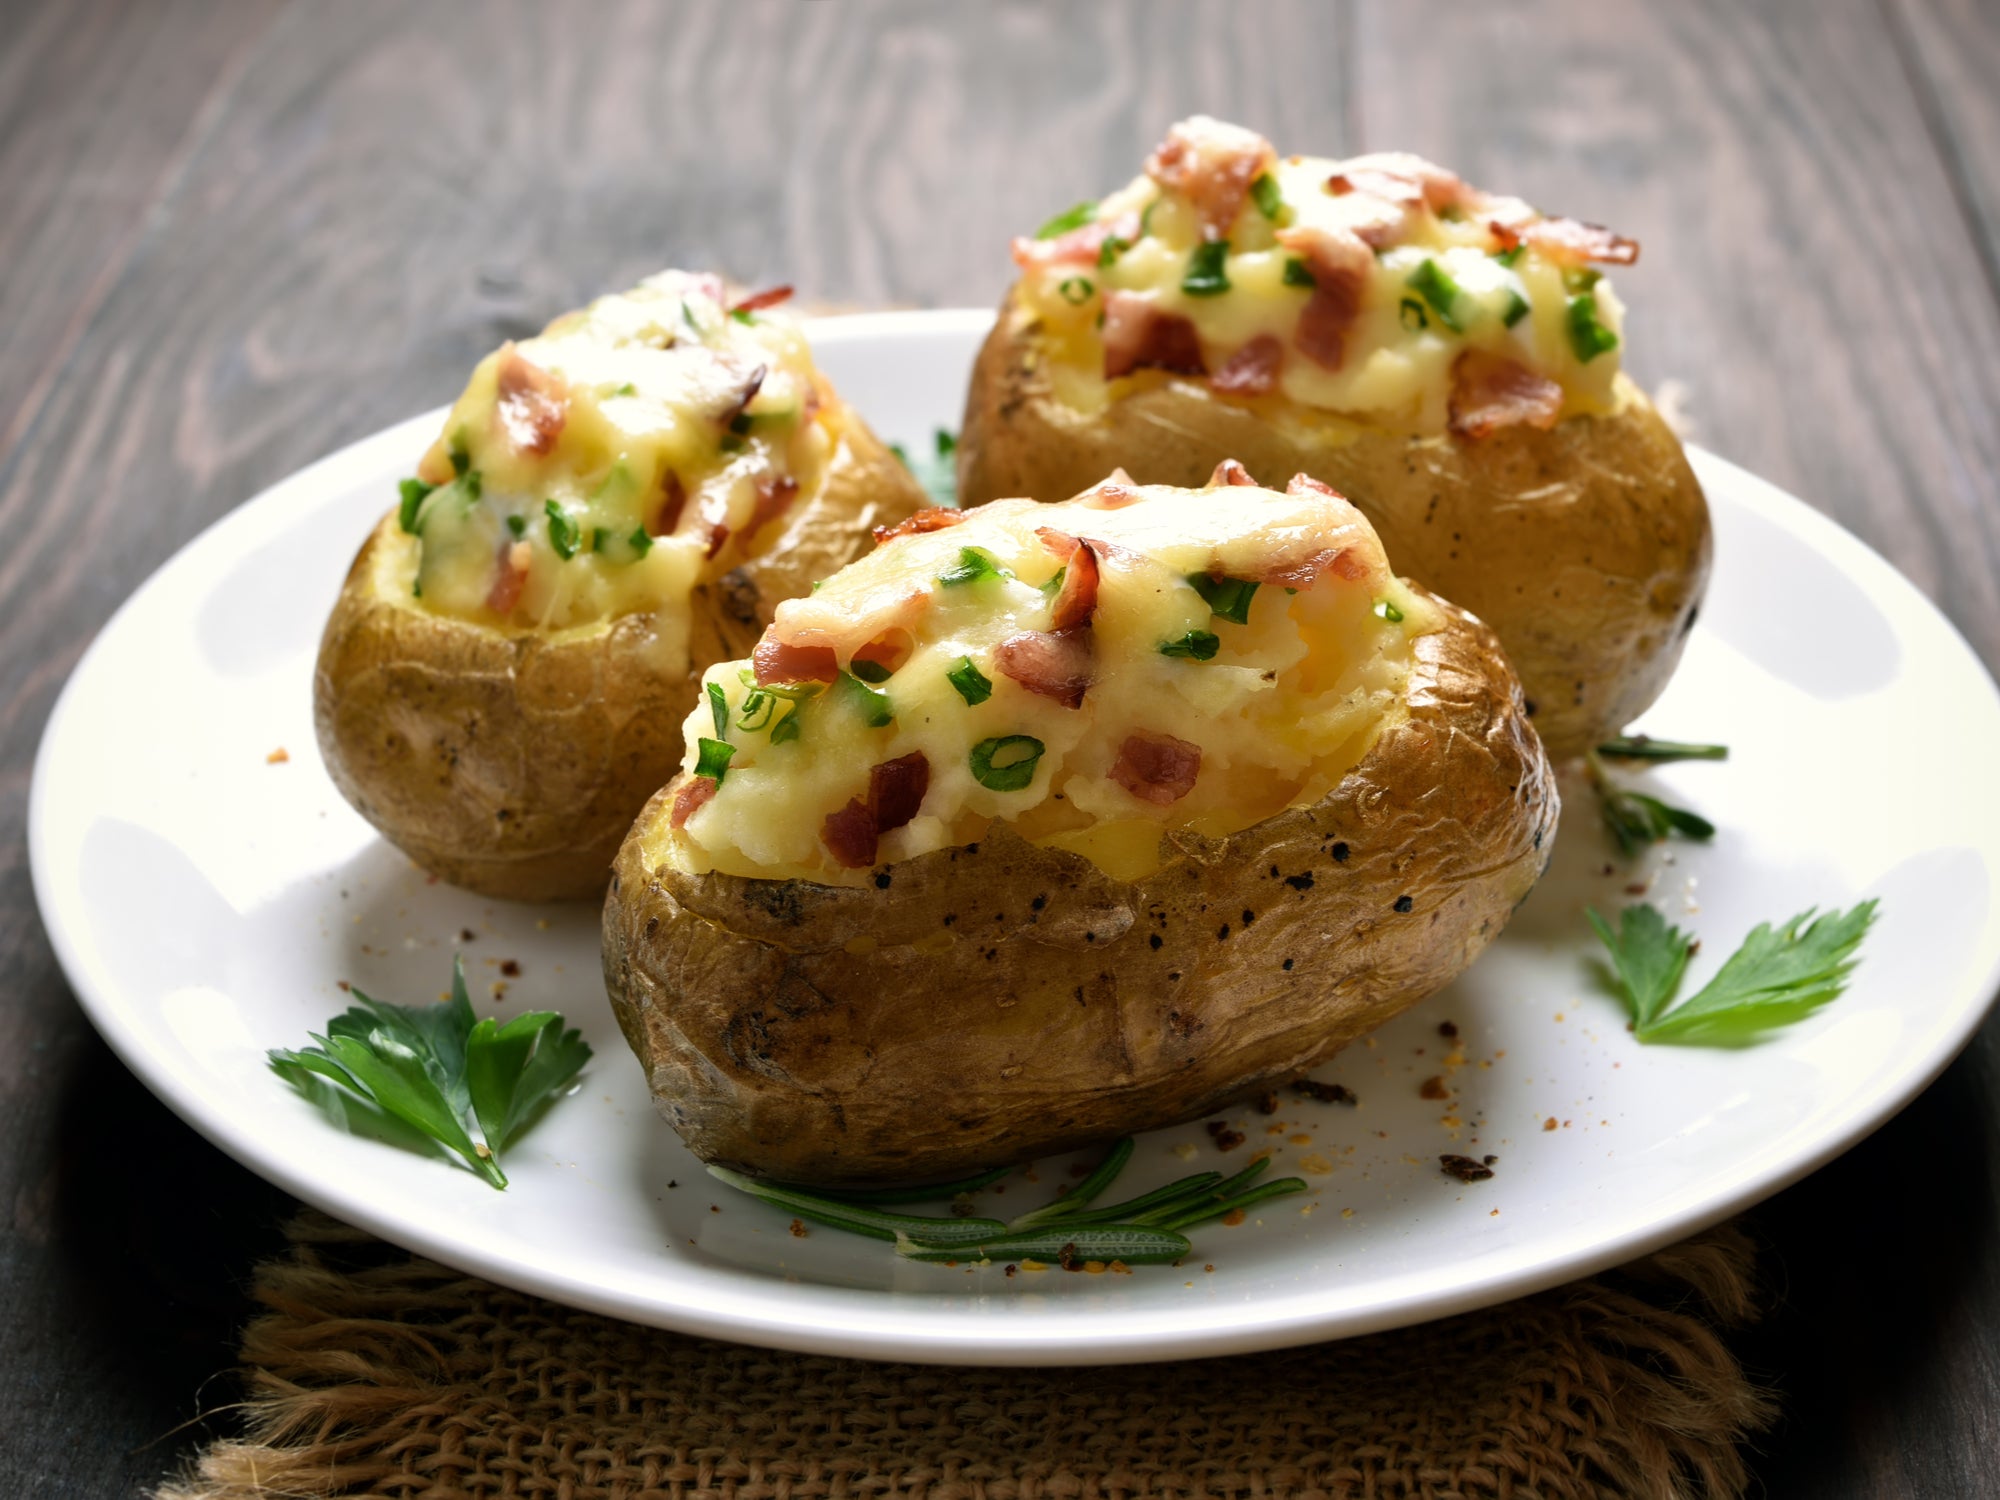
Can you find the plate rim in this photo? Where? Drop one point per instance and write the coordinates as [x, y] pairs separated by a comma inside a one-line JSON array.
[[1269, 1326]]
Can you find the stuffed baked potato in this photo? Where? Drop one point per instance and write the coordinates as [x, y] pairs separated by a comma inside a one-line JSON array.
[[612, 506], [1045, 823], [1446, 357]]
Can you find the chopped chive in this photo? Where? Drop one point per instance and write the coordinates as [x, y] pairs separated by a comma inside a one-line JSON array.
[[1007, 762], [758, 706], [1110, 250], [973, 685], [1413, 315], [1516, 308], [639, 541], [1265, 194], [1588, 337], [1228, 598], [1206, 275], [1076, 290], [712, 759], [518, 525], [1070, 218], [413, 492], [787, 728], [1434, 284], [718, 710], [461, 460], [974, 564], [1196, 645], [871, 671], [1385, 609], [795, 691], [865, 700], [743, 315], [1508, 257], [564, 533], [1298, 273], [1581, 278], [627, 389]]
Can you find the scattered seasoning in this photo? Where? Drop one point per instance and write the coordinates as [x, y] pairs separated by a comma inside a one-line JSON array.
[[510, 967], [1234, 1217], [1225, 1138], [1325, 1093], [799, 1230], [1404, 903], [1447, 1029], [1465, 1169], [1433, 1088], [1268, 1104], [1549, 1123], [278, 756]]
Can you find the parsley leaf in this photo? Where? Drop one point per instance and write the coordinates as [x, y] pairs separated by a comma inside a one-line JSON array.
[[1779, 975], [415, 1075]]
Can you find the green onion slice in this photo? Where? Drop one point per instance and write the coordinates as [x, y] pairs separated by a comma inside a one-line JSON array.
[[1227, 598], [1196, 645], [413, 492], [1385, 609], [1206, 276], [712, 759], [974, 564], [1434, 284], [1298, 273], [564, 533], [973, 685], [718, 709], [1068, 219], [1076, 290], [1007, 762], [1588, 337]]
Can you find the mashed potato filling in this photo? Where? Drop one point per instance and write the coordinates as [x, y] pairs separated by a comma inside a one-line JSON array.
[[654, 439], [1380, 288], [1095, 673]]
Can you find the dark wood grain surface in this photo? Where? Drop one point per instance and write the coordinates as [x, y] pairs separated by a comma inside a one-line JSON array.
[[236, 235]]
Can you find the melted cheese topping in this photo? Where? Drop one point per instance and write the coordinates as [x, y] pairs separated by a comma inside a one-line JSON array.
[[1282, 707], [635, 448], [1395, 368]]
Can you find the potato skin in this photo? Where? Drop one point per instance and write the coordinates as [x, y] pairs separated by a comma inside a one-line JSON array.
[[996, 1002], [1586, 547], [511, 762]]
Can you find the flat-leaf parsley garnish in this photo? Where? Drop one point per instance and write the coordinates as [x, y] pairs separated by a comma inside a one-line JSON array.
[[1779, 975], [434, 1073]]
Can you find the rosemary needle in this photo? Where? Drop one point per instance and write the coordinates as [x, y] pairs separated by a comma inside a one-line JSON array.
[[859, 1219], [1072, 1202], [1070, 1248]]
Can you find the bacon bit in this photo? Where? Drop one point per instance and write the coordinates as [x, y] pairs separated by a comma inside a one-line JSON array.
[[850, 836], [1509, 235], [673, 500], [777, 661], [1157, 768], [1138, 336], [1253, 369], [1212, 164], [1330, 312], [1394, 187], [753, 382], [1229, 471], [693, 796], [1572, 242], [1059, 542], [1435, 186], [774, 498], [896, 789], [1076, 600], [1225, 1138], [512, 577], [1052, 664], [718, 537], [757, 301], [1114, 492], [533, 403], [889, 650], [930, 518], [1078, 246], [1305, 484], [1343, 562], [1491, 391]]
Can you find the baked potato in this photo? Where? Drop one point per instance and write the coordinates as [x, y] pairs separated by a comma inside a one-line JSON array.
[[1046, 823], [1446, 357], [611, 507]]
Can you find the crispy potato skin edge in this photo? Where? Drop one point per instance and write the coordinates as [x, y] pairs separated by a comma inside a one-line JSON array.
[[511, 762], [1002, 1001], [1586, 547]]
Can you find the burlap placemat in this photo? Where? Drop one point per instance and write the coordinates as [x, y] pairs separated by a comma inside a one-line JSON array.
[[377, 1373]]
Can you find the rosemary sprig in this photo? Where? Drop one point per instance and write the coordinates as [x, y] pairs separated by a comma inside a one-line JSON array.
[[1145, 1230], [1660, 752], [1636, 819]]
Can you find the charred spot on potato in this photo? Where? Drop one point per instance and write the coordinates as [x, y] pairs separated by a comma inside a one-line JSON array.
[[1222, 933], [1249, 916], [1156, 942], [1302, 881], [652, 925], [881, 880], [1038, 903], [1340, 852], [1183, 1026], [1287, 966], [1404, 903]]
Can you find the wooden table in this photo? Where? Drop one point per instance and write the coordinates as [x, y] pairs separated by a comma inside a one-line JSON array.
[[234, 236]]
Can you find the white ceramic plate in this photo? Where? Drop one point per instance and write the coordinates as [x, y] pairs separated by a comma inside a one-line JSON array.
[[205, 902]]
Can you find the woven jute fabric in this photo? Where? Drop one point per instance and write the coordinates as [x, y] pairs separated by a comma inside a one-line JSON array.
[[376, 1373]]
